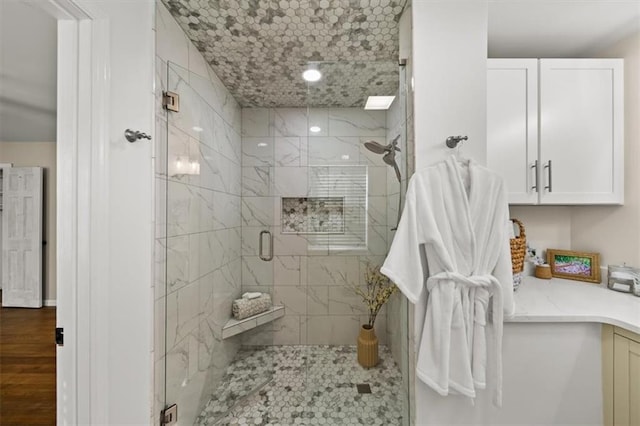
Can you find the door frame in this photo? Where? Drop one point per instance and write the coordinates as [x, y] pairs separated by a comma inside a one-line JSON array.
[[82, 203]]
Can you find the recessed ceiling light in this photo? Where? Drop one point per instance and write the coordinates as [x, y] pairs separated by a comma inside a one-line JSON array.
[[197, 128], [314, 129], [312, 75], [345, 157], [262, 144], [379, 102]]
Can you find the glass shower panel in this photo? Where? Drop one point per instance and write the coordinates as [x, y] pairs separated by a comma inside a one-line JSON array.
[[356, 192], [212, 361]]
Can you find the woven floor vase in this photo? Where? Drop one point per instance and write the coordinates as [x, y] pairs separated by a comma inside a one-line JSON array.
[[367, 347]]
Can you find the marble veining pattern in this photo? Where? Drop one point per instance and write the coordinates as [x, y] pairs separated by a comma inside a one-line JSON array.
[[305, 385], [259, 49]]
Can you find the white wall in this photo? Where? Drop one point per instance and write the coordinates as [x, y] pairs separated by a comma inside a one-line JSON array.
[[450, 69], [545, 226], [28, 37], [450, 65], [551, 371], [40, 154], [552, 376], [113, 357]]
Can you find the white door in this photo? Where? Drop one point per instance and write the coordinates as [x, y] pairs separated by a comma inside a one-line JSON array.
[[581, 131], [512, 126], [22, 237], [2, 166]]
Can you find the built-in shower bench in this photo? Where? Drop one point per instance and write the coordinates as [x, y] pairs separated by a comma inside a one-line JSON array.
[[234, 326]]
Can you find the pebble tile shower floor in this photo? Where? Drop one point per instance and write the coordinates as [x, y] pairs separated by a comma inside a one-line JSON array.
[[307, 385]]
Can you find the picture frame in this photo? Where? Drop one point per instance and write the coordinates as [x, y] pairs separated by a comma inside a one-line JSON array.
[[574, 265]]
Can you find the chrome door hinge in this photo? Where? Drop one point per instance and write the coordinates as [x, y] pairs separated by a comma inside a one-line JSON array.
[[171, 101], [169, 416]]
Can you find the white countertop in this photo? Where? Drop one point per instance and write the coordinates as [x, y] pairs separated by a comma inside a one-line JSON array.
[[559, 300]]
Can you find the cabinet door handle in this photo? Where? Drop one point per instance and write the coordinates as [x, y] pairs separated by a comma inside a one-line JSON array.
[[261, 251], [549, 187], [535, 182]]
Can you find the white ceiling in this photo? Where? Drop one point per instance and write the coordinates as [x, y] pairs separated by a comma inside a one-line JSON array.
[[558, 28], [28, 55]]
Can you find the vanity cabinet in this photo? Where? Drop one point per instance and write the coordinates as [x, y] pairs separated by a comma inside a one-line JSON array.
[[555, 129], [621, 368]]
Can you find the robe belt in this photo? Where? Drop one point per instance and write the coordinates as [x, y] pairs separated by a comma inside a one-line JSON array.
[[486, 281], [493, 287]]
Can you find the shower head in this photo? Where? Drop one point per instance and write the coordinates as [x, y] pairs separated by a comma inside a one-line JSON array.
[[375, 147], [389, 152], [378, 148]]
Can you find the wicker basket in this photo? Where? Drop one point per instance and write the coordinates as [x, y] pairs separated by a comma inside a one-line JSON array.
[[518, 248]]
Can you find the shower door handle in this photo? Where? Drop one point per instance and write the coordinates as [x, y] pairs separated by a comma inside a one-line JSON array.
[[261, 246]]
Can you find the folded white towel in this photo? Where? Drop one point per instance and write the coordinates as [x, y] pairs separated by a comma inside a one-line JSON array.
[[251, 295], [245, 308]]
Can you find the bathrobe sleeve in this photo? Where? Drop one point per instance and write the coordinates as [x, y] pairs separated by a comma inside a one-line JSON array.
[[503, 270], [403, 264]]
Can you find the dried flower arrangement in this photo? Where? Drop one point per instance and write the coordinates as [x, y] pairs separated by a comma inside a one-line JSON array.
[[377, 292]]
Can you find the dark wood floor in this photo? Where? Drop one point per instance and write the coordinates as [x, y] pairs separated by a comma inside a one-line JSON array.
[[27, 366]]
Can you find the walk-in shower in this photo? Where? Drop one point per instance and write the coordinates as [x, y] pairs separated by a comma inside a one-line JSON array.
[[293, 201]]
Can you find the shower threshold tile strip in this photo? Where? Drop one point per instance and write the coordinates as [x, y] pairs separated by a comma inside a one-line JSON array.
[[234, 326]]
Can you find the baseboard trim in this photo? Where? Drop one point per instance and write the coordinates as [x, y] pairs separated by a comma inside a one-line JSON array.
[[50, 302]]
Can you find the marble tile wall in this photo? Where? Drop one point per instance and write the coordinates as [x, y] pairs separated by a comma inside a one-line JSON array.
[[198, 223], [310, 274]]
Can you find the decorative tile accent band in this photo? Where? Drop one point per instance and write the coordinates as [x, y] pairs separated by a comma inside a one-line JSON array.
[[313, 215]]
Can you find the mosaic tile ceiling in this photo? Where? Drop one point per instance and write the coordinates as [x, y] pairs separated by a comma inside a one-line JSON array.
[[259, 48]]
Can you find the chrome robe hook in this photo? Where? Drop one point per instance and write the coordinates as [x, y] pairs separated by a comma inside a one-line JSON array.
[[453, 141], [135, 135]]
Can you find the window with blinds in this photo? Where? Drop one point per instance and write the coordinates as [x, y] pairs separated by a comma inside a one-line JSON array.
[[349, 184]]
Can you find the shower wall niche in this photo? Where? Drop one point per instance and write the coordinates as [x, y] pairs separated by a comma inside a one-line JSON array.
[[313, 215]]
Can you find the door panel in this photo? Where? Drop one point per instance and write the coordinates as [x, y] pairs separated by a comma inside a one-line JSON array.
[[634, 383], [512, 125], [580, 130], [626, 382], [22, 237], [210, 364]]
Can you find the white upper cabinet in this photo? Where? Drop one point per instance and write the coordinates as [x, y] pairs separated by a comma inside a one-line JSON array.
[[581, 130], [512, 125], [555, 129]]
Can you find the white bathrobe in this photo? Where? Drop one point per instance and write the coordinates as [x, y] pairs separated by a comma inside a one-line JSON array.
[[453, 240]]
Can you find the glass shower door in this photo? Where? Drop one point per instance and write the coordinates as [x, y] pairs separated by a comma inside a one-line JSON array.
[[353, 196], [213, 363]]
